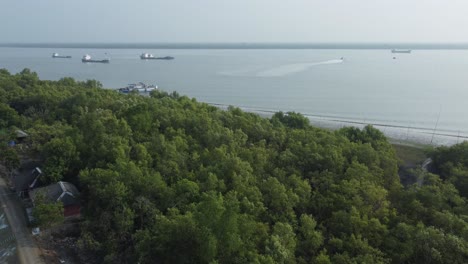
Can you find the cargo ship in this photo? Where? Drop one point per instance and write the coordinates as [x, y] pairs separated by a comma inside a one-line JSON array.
[[56, 55], [400, 51], [149, 56], [87, 58], [138, 87]]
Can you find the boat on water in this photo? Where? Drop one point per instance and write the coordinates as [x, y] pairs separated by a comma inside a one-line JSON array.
[[88, 58], [149, 56], [138, 87], [56, 55], [401, 51]]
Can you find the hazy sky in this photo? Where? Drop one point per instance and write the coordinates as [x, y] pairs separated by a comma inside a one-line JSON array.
[[233, 21]]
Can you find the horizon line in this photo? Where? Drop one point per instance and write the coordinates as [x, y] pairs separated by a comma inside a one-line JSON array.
[[241, 45]]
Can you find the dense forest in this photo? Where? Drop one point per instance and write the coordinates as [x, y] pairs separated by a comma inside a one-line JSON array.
[[166, 179]]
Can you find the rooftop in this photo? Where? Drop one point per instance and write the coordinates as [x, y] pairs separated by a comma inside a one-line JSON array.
[[60, 191]]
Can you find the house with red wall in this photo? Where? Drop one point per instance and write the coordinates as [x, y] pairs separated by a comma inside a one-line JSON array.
[[60, 192]]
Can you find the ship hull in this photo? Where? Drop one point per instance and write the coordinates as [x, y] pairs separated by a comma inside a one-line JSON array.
[[401, 51], [158, 58], [165, 58], [95, 61], [140, 88]]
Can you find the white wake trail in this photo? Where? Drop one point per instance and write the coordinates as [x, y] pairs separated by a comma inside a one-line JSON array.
[[294, 68]]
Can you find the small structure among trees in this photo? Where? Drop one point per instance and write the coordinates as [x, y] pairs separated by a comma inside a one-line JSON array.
[[26, 177], [63, 192], [20, 136]]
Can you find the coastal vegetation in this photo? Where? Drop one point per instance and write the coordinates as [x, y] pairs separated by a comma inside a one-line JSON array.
[[166, 179], [47, 214]]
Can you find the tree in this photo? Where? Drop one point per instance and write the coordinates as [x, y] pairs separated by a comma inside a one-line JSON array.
[[9, 116], [165, 179], [59, 155], [9, 158], [8, 155], [47, 214], [452, 165], [310, 239], [291, 120], [282, 243]]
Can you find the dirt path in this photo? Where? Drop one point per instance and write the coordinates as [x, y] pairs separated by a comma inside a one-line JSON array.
[[28, 252]]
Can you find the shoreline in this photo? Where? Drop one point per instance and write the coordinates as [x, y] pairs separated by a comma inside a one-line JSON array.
[[397, 134]]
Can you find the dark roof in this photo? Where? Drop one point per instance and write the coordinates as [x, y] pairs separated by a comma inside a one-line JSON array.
[[24, 177], [60, 191]]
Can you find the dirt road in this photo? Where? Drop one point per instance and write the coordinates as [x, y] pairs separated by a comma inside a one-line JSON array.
[[28, 252]]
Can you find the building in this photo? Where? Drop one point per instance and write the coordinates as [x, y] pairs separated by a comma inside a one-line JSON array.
[[60, 192], [21, 135], [25, 178]]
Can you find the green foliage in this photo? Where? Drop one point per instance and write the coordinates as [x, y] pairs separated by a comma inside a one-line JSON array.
[[310, 239], [9, 116], [452, 165], [61, 155], [47, 214], [282, 243], [8, 155], [165, 179], [291, 120]]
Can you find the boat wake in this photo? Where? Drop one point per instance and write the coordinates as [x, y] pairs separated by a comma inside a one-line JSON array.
[[293, 68], [279, 71]]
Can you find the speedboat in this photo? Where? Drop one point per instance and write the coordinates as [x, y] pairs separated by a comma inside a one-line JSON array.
[[147, 56]]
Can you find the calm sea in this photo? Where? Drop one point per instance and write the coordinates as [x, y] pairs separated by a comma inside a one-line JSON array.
[[411, 97]]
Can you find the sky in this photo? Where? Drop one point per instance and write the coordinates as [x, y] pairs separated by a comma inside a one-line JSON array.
[[233, 21]]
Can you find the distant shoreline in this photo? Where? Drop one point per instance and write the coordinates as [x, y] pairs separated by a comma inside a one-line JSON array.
[[397, 134], [357, 46]]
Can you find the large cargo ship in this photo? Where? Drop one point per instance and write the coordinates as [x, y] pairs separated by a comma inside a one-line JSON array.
[[149, 56], [401, 51], [87, 58], [56, 55]]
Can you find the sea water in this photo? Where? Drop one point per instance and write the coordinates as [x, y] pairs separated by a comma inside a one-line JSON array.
[[419, 97]]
